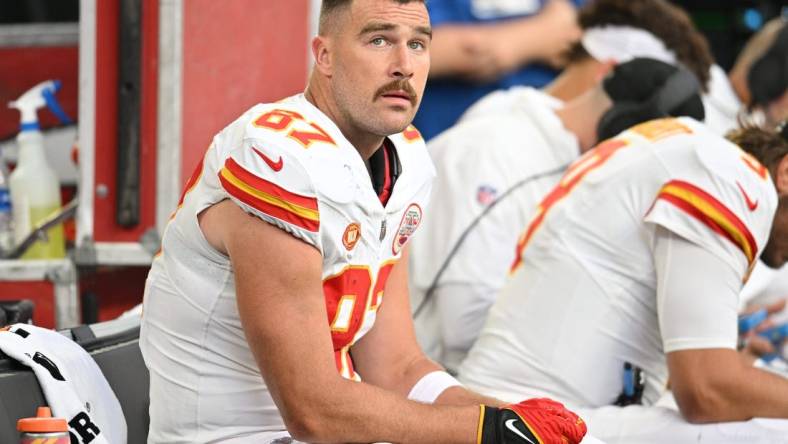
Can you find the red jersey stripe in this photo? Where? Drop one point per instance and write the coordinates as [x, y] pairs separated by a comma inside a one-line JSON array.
[[712, 213], [267, 187], [280, 211]]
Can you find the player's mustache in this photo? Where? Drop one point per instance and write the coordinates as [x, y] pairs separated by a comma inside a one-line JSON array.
[[398, 85]]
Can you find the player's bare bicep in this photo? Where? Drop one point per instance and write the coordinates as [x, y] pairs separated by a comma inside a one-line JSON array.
[[280, 303], [274, 272]]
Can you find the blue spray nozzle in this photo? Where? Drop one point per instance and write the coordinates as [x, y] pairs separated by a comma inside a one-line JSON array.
[[36, 97], [54, 105]]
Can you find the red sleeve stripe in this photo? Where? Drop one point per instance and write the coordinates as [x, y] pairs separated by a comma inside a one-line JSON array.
[[269, 198], [712, 213], [192, 182], [269, 187]]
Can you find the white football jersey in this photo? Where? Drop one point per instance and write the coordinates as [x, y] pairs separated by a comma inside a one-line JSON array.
[[721, 103], [504, 101], [288, 164], [479, 161], [581, 299]]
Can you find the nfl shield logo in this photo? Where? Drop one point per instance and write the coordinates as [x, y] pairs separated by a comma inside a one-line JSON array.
[[485, 195]]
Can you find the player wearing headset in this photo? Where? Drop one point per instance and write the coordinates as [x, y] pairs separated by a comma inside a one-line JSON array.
[[637, 258]]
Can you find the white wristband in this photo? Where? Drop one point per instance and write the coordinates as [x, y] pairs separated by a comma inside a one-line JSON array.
[[431, 385]]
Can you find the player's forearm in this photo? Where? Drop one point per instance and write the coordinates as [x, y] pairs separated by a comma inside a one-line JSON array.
[[737, 394], [336, 415], [459, 395], [519, 41], [758, 393], [772, 390], [456, 395], [454, 51], [484, 51]]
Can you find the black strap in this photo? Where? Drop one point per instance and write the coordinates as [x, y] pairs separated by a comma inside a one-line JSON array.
[[82, 334]]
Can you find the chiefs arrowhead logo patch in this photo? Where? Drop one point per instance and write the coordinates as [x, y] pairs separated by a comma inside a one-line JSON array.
[[351, 236]]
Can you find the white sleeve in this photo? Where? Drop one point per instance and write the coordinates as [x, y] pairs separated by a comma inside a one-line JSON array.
[[697, 295], [462, 310], [269, 182]]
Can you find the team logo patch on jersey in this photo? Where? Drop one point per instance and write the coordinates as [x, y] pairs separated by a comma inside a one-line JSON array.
[[351, 236], [410, 221], [486, 194]]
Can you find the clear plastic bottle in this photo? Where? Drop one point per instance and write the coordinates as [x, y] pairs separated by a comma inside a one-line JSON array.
[[35, 188], [35, 193]]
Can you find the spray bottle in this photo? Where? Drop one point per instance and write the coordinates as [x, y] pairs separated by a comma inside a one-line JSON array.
[[35, 188]]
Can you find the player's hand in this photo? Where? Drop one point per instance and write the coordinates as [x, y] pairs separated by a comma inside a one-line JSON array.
[[534, 421], [559, 18]]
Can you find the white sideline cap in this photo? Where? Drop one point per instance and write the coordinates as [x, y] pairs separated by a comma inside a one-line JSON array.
[[624, 43]]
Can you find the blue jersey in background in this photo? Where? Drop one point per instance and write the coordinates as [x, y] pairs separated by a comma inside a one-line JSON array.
[[446, 99]]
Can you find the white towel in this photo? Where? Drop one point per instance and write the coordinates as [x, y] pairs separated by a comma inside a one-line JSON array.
[[72, 382]]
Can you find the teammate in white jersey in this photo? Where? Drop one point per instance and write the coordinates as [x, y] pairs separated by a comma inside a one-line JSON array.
[[463, 253], [282, 281], [637, 258]]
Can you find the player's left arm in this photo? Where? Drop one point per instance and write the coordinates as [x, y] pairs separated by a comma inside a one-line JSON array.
[[697, 293], [389, 355]]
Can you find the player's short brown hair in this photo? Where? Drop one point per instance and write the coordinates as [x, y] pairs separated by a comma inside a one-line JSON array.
[[768, 146], [328, 7], [667, 22]]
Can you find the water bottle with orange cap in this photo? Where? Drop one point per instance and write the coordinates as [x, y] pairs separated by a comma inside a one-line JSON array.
[[43, 428]]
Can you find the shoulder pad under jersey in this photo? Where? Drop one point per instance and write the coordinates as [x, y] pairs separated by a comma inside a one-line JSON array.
[[271, 180]]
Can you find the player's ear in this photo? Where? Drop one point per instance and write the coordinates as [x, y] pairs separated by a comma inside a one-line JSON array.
[[781, 176], [321, 51]]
